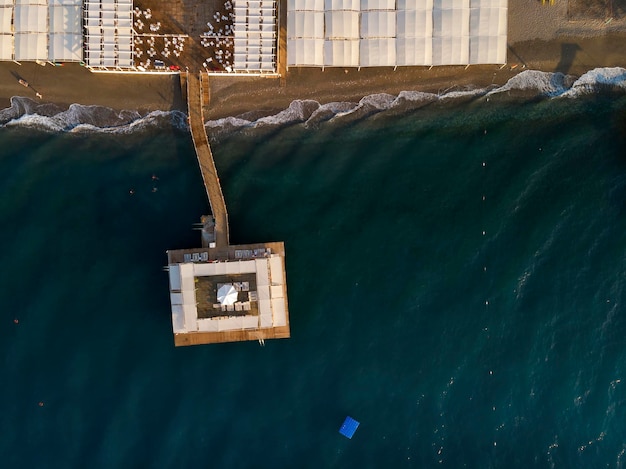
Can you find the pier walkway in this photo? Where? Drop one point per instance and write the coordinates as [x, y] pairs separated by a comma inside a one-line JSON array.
[[197, 93]]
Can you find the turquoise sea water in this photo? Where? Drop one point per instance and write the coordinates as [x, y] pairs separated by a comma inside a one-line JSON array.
[[456, 283]]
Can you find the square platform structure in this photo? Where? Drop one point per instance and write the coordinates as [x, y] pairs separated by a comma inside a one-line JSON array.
[[348, 427], [257, 275]]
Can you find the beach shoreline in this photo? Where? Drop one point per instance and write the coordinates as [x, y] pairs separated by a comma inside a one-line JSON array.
[[540, 38]]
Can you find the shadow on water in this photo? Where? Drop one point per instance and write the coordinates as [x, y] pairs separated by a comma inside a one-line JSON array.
[[568, 55]]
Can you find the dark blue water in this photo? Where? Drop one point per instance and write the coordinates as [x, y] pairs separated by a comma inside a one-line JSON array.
[[456, 283]]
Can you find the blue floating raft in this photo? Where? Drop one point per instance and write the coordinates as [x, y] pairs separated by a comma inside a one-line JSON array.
[[348, 427]]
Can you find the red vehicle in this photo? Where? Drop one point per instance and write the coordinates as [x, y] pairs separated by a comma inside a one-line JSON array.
[[174, 67]]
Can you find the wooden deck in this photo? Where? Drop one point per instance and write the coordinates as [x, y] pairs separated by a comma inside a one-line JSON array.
[[199, 338], [196, 94]]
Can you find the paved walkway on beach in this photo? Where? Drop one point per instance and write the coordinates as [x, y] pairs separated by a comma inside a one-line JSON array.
[[195, 90]]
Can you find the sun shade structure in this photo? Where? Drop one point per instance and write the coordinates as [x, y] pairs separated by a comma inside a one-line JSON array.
[[109, 34], [368, 33], [255, 35], [227, 295], [41, 30]]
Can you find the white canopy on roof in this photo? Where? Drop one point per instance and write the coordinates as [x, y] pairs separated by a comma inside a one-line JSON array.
[[65, 19], [304, 24], [415, 32], [31, 18], [65, 47], [378, 52], [306, 52], [341, 53], [450, 50], [227, 295], [6, 17], [414, 23], [451, 22], [354, 5], [342, 24], [6, 47], [414, 51], [415, 5], [378, 23], [378, 5], [30, 46]]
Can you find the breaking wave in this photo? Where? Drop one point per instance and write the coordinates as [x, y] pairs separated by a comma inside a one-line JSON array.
[[78, 118], [527, 84]]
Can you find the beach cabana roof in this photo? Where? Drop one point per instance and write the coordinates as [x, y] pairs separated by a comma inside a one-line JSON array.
[[342, 53], [6, 17], [6, 47], [378, 52], [31, 46], [31, 18], [304, 24], [306, 52], [406, 32], [378, 24], [342, 24]]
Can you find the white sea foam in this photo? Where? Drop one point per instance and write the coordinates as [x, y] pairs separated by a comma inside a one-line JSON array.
[[78, 118], [541, 83], [599, 79], [529, 83]]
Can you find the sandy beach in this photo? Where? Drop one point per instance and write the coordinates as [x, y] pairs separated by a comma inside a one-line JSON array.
[[553, 38]]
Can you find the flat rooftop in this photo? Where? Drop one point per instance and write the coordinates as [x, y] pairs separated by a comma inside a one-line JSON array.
[[230, 295]]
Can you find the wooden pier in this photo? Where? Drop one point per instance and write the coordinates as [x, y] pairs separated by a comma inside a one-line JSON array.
[[197, 93], [199, 314]]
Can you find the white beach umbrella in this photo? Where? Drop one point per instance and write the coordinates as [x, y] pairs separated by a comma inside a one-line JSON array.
[[226, 294]]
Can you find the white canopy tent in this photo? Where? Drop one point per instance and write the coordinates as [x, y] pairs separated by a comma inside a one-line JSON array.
[[378, 5], [306, 52], [378, 23], [354, 5], [414, 51], [342, 24], [378, 52], [305, 24], [65, 47], [31, 19], [341, 53], [6, 18], [6, 47], [310, 5], [227, 295], [414, 23], [65, 19], [31, 46], [400, 32]]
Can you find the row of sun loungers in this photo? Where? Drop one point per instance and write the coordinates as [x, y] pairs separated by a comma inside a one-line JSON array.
[[196, 257], [251, 253]]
